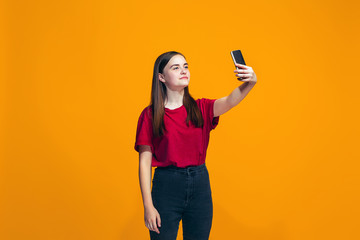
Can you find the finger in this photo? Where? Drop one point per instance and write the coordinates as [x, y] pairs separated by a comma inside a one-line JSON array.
[[243, 75], [239, 70], [158, 220], [241, 65], [154, 223], [155, 227], [242, 71]]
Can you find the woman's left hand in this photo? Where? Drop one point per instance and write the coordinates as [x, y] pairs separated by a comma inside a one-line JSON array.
[[245, 73]]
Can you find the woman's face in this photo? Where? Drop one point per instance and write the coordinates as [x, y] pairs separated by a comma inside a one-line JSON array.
[[176, 74]]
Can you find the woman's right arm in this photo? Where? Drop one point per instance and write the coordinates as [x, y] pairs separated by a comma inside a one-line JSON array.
[[151, 215]]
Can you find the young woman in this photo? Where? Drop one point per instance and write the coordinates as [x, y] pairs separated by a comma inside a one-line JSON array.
[[173, 135]]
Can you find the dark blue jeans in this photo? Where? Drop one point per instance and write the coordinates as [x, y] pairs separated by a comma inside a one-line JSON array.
[[182, 194]]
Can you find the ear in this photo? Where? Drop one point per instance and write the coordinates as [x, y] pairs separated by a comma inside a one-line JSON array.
[[161, 77]]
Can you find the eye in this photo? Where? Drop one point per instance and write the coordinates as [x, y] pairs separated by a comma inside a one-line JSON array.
[[175, 67]]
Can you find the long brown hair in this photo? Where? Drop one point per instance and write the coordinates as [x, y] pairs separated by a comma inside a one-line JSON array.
[[158, 95]]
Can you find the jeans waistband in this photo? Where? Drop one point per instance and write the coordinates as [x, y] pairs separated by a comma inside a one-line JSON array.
[[188, 169]]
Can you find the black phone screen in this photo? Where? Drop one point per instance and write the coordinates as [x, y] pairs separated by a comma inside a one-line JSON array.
[[238, 57]]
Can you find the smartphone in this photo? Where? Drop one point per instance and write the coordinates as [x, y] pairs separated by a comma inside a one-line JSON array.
[[237, 58]]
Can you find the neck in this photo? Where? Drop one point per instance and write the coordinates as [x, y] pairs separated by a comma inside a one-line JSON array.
[[174, 98]]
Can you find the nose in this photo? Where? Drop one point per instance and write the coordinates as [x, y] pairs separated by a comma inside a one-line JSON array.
[[183, 70]]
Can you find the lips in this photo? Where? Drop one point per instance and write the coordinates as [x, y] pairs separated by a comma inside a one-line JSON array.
[[184, 78]]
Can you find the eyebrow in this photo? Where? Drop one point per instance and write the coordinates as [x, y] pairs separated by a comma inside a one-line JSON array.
[[178, 65]]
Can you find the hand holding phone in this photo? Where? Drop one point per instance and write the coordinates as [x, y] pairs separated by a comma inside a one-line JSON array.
[[237, 58]]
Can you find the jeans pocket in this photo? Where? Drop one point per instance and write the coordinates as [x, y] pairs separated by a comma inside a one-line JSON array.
[[157, 180]]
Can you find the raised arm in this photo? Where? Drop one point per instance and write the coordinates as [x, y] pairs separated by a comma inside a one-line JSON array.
[[222, 105]]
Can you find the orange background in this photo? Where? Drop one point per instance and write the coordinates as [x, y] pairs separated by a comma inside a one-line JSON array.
[[283, 164]]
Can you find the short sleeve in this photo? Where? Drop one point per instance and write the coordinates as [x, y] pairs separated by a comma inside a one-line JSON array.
[[144, 133], [208, 113]]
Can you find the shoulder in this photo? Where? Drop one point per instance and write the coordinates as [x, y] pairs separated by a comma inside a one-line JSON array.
[[203, 102], [146, 113]]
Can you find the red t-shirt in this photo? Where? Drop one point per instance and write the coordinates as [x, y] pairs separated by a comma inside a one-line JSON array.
[[180, 145]]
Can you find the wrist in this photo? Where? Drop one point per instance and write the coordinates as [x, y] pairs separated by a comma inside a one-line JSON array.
[[148, 204]]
